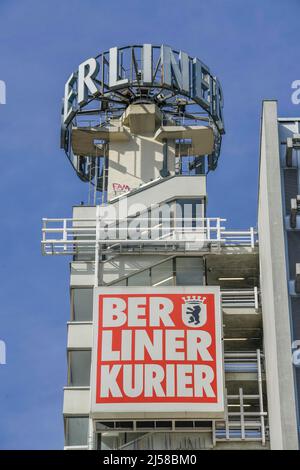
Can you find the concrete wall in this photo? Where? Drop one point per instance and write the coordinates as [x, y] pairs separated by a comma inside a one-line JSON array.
[[153, 194], [275, 301], [76, 401], [136, 162], [291, 185], [80, 335]]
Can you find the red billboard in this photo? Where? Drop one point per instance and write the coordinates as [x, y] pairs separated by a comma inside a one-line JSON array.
[[157, 349]]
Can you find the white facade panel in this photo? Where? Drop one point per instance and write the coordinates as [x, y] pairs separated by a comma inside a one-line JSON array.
[[80, 335], [76, 401], [275, 302]]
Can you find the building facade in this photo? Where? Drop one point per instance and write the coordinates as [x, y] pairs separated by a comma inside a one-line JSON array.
[[279, 258], [145, 230]]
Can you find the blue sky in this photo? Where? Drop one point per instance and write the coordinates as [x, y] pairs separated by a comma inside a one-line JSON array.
[[252, 46]]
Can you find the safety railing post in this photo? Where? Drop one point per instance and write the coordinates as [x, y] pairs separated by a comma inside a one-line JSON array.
[[242, 417], [226, 416], [252, 237], [214, 433], [65, 234], [219, 229], [44, 236], [96, 279], [90, 435], [261, 403], [208, 229], [256, 298]]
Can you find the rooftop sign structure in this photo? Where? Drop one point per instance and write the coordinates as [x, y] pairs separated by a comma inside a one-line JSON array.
[[182, 88]]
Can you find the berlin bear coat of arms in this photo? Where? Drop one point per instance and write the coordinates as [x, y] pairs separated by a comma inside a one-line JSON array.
[[194, 313]]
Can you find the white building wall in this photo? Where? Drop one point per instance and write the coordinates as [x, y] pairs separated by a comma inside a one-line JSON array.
[[275, 302]]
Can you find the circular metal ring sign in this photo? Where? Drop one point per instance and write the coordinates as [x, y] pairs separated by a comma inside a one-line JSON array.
[[181, 86]]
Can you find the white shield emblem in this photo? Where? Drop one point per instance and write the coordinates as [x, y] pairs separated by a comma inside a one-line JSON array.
[[194, 313]]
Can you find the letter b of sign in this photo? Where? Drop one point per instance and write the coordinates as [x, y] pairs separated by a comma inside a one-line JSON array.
[[2, 92]]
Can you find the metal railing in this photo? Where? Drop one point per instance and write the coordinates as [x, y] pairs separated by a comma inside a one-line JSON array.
[[240, 298], [243, 425], [239, 362], [71, 236]]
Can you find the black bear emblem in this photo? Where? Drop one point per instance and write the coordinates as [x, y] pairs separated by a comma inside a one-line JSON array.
[[194, 312]]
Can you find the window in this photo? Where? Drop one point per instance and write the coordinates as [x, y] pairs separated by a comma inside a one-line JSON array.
[[104, 425], [192, 165], [163, 424], [189, 213], [82, 304], [124, 425], [184, 424], [120, 283], [79, 368], [145, 424], [140, 279], [77, 430], [189, 271], [162, 274]]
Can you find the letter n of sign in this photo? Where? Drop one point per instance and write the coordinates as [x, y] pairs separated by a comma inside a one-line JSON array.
[[2, 92]]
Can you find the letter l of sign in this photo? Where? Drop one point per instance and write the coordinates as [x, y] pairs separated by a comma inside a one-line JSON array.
[[147, 63], [114, 80]]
